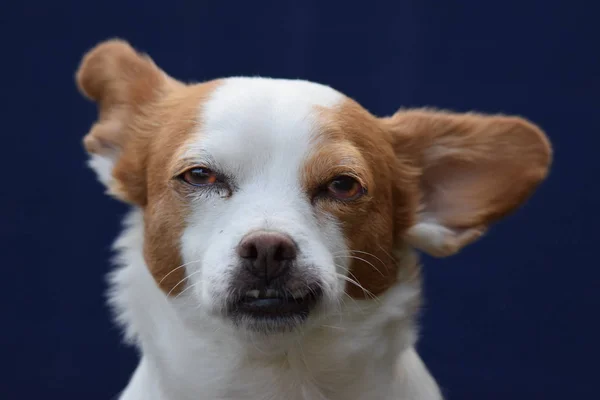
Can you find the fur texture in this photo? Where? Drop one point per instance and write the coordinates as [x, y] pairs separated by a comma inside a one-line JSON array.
[[427, 180]]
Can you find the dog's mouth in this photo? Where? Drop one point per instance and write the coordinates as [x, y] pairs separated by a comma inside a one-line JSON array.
[[272, 303], [272, 309]]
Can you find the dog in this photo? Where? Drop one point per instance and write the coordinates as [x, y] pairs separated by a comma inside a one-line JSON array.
[[271, 250]]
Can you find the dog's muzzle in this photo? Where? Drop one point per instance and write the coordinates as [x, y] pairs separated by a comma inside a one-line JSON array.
[[270, 291]]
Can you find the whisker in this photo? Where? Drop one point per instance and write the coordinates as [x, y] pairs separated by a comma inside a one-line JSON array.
[[346, 294], [387, 254], [311, 290], [375, 257], [186, 289], [362, 259], [333, 327], [392, 259], [350, 273], [181, 281], [353, 300], [365, 291], [175, 269]]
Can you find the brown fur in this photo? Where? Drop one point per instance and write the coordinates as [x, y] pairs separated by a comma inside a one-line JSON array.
[[463, 170], [475, 168], [145, 119], [356, 140]]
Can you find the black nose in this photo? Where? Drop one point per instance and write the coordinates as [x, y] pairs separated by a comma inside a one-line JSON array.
[[268, 255]]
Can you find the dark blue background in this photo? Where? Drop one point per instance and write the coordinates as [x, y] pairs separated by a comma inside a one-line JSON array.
[[513, 317]]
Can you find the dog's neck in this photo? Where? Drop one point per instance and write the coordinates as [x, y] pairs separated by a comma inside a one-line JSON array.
[[353, 355]]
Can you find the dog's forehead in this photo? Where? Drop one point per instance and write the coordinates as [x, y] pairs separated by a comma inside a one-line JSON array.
[[247, 123]]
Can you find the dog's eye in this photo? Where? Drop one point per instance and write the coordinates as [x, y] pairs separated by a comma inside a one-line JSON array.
[[199, 176], [345, 188]]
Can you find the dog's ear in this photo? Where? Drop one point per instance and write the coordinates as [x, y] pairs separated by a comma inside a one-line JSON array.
[[126, 85], [473, 170]]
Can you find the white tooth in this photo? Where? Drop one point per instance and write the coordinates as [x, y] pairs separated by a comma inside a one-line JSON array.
[[271, 293], [298, 294], [252, 293]]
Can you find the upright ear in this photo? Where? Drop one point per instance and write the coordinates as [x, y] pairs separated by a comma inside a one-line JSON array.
[[125, 85], [474, 169]]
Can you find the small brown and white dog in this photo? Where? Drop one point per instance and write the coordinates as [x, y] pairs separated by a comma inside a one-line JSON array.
[[271, 248]]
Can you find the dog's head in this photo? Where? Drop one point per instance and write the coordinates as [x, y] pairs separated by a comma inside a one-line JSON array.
[[266, 200]]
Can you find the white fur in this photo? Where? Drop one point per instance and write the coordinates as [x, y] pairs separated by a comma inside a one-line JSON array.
[[103, 166], [259, 132], [364, 352], [440, 241]]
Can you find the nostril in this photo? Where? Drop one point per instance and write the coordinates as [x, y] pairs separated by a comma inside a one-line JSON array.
[[285, 251], [267, 254], [278, 254], [248, 250]]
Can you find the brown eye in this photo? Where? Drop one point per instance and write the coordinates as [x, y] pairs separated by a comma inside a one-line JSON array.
[[345, 188], [199, 176]]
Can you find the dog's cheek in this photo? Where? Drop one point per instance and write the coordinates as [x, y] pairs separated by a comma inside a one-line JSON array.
[[164, 226], [368, 232]]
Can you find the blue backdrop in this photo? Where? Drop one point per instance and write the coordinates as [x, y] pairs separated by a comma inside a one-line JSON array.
[[513, 317]]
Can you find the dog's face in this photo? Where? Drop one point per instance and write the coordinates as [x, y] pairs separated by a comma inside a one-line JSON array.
[[267, 201]]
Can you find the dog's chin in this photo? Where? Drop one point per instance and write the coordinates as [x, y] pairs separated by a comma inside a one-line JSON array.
[[273, 311]]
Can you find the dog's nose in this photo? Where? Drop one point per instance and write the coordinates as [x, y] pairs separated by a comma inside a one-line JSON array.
[[268, 254]]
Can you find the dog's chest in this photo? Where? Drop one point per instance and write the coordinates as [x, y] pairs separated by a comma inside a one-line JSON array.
[[330, 371], [288, 382]]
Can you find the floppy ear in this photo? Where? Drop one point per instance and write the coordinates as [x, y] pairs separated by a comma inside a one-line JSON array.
[[125, 85], [474, 169]]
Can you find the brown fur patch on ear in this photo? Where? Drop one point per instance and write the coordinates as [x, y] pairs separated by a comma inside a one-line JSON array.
[[146, 119], [475, 169], [127, 86], [113, 73]]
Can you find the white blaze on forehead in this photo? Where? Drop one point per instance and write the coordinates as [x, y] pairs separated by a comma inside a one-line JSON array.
[[260, 125], [258, 133]]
